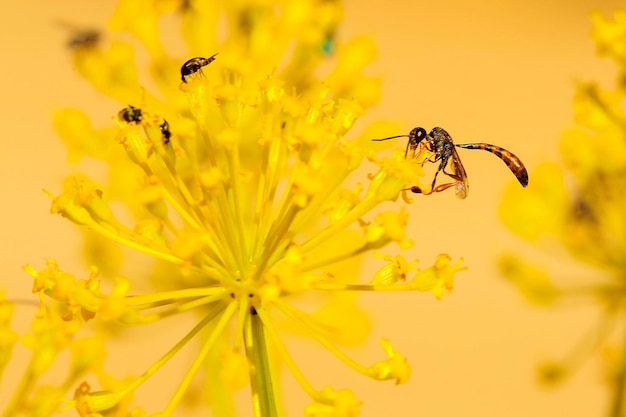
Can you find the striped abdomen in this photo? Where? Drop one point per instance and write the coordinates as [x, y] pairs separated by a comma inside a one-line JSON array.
[[513, 162]]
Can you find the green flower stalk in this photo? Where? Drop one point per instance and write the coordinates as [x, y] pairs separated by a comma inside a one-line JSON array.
[[232, 177]]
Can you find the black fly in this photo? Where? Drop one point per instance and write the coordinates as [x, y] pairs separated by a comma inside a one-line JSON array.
[[194, 65]]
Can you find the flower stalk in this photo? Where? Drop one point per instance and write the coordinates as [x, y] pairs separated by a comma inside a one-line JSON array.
[[263, 397]]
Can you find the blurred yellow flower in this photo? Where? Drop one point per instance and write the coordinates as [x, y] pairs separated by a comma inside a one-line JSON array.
[[584, 209], [231, 178]]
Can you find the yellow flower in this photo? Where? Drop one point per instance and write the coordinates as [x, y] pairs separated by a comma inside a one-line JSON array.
[[583, 209], [396, 367], [532, 282], [610, 35], [390, 227], [231, 178], [8, 336], [331, 403], [439, 278]]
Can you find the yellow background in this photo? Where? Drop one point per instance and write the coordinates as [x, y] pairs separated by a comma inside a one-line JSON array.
[[501, 72]]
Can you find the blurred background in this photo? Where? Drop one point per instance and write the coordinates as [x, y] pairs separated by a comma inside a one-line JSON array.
[[499, 72]]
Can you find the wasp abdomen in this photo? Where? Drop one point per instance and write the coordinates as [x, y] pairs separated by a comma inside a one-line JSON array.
[[513, 162]]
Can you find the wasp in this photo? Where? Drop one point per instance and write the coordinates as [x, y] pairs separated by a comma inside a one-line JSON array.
[[439, 143], [194, 65]]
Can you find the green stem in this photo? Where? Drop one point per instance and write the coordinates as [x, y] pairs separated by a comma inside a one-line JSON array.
[[263, 400]]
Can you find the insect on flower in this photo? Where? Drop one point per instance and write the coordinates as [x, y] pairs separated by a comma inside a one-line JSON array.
[[165, 131], [194, 65], [130, 114], [439, 143]]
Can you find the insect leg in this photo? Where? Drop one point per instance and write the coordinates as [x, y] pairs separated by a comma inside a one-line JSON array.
[[433, 189], [453, 175]]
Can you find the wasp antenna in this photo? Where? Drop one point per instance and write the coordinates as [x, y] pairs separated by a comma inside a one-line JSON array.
[[391, 137]]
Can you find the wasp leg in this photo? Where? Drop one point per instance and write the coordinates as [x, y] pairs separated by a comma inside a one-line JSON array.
[[432, 159], [453, 175], [442, 187], [418, 190]]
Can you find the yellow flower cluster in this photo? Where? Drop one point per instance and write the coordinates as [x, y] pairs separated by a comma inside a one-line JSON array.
[[232, 178], [583, 208]]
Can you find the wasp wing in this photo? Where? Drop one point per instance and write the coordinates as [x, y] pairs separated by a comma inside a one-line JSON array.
[[455, 170], [514, 164]]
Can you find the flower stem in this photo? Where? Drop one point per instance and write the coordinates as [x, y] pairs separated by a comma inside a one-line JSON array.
[[216, 332], [619, 385], [366, 205], [170, 354], [263, 399], [286, 357]]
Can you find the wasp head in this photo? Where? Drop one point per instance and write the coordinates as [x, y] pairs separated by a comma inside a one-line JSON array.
[[416, 135]]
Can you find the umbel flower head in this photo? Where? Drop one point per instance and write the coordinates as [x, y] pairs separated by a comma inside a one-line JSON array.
[[584, 209], [234, 177]]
